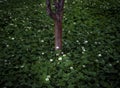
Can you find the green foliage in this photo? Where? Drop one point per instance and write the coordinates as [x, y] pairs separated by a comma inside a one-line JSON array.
[[90, 55]]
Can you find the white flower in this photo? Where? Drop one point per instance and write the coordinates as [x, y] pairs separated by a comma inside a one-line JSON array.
[[69, 31], [85, 42], [83, 66], [64, 55], [28, 27], [7, 45], [47, 79], [110, 64], [83, 48], [117, 61], [96, 42], [74, 23], [65, 1], [12, 38], [38, 30], [42, 40], [57, 47], [77, 41], [73, 2], [13, 55], [99, 55], [5, 60], [62, 52], [22, 66], [43, 53], [71, 68], [65, 43], [51, 60], [83, 52], [60, 58]]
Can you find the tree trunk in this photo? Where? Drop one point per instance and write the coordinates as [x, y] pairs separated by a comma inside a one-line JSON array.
[[58, 35], [57, 17]]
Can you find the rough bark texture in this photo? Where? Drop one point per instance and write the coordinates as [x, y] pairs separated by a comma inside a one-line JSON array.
[[57, 17]]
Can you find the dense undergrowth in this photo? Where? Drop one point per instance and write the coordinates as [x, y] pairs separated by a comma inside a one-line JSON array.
[[91, 52]]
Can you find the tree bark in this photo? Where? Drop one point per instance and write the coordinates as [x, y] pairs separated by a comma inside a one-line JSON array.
[[57, 17], [58, 35]]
